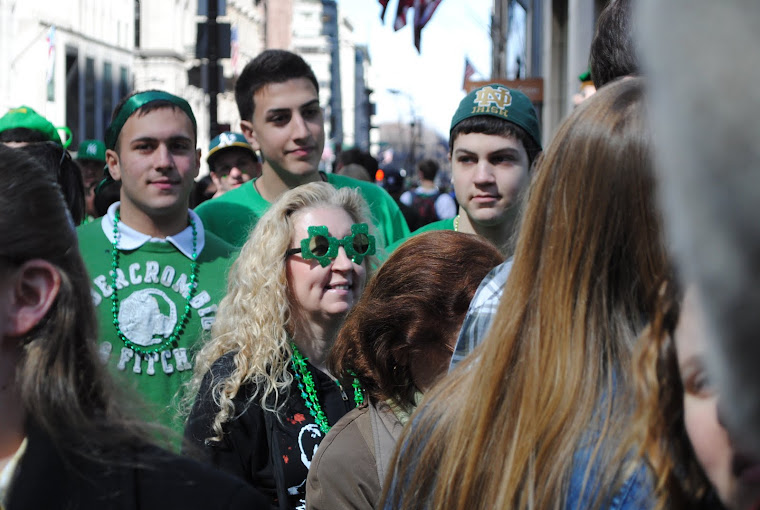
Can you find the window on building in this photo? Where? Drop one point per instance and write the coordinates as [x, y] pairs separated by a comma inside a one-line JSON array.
[[72, 94], [124, 87], [89, 98], [107, 94]]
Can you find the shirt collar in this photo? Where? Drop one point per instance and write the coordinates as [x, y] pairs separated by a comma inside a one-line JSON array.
[[8, 473], [131, 239]]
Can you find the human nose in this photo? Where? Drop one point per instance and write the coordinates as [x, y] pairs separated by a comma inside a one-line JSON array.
[[342, 262], [163, 157], [235, 173], [300, 128], [483, 173]]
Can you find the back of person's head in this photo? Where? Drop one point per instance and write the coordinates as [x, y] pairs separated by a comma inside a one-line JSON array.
[[355, 171], [355, 155], [497, 110], [428, 169], [57, 161], [142, 103], [588, 258], [202, 190], [106, 193], [24, 125], [63, 385], [270, 66], [613, 51], [393, 321]]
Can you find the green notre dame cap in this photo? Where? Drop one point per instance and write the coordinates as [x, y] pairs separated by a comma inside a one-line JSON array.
[[26, 117], [226, 140], [504, 103], [93, 150]]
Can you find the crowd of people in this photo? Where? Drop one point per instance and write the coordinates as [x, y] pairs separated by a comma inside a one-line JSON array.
[[278, 337]]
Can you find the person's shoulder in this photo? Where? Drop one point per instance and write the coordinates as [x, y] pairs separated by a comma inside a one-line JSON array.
[[370, 190], [346, 433], [91, 230], [447, 224], [218, 247], [193, 484]]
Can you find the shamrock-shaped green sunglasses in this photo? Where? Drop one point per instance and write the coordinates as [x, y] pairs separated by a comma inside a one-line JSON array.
[[324, 248]]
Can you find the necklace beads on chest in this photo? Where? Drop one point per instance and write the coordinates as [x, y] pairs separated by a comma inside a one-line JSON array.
[[309, 392], [171, 340]]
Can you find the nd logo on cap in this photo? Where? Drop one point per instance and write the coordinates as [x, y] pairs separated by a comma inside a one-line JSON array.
[[493, 96]]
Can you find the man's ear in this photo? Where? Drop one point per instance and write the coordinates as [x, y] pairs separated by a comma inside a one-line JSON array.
[[197, 163], [114, 166], [246, 127], [35, 287]]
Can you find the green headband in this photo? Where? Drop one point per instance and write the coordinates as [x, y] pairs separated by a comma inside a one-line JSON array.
[[136, 102]]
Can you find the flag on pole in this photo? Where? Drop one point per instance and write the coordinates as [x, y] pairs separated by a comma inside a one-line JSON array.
[[51, 54], [234, 49], [423, 11], [469, 70], [403, 6], [384, 3]]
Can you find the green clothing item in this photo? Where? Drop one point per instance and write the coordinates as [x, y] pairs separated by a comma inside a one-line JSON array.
[[152, 285], [447, 224], [233, 215]]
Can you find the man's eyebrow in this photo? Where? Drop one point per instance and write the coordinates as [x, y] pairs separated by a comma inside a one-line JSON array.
[[313, 102]]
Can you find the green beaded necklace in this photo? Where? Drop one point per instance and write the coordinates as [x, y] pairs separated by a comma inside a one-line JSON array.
[[309, 393], [193, 285]]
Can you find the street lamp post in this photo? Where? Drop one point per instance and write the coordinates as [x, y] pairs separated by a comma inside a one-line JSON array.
[[411, 159]]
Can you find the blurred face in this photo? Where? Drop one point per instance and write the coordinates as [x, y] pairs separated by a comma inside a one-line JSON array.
[[488, 173], [287, 128], [233, 167], [736, 477], [156, 164], [92, 171], [323, 294]]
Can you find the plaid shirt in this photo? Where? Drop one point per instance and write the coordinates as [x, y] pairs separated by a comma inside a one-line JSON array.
[[481, 312]]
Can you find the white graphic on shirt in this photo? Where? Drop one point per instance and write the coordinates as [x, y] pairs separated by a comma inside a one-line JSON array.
[[141, 318], [308, 442]]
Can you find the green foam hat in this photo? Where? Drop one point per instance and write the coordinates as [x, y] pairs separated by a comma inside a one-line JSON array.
[[225, 141], [93, 150], [496, 100], [26, 117]]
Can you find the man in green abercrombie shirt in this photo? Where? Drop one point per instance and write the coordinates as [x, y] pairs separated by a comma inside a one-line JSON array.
[[278, 99], [157, 276]]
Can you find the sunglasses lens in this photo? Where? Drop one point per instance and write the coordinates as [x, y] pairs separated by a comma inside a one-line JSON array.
[[319, 245], [361, 243]]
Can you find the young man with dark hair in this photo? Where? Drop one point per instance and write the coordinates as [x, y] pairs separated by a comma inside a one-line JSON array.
[[493, 142], [157, 275], [427, 200], [231, 162], [278, 99]]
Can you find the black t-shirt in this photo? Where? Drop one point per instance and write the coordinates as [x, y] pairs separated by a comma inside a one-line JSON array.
[[246, 451]]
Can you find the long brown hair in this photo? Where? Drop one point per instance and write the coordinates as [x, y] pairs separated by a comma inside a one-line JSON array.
[[552, 376], [414, 304], [64, 387]]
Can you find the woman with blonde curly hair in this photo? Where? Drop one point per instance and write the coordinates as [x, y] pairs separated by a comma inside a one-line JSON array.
[[265, 396]]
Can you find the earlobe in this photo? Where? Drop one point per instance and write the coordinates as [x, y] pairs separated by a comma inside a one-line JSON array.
[[114, 167], [36, 286], [250, 135]]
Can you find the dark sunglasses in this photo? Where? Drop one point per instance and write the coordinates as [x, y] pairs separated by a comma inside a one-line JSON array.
[[324, 248]]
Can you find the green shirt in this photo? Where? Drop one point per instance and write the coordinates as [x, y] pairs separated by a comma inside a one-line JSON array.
[[447, 224], [233, 215], [152, 284]]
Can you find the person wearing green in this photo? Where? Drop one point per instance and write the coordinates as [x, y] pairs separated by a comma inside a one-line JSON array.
[[157, 275], [287, 127], [22, 125], [493, 142]]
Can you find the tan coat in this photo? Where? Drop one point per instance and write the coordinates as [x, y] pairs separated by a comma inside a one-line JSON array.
[[352, 460]]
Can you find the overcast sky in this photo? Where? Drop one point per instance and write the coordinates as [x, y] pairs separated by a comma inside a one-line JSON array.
[[432, 79]]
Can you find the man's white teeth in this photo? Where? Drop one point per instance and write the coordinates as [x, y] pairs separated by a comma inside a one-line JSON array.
[[340, 287]]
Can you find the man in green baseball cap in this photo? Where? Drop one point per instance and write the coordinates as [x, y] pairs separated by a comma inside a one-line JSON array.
[[493, 142], [231, 162], [91, 158], [22, 125]]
